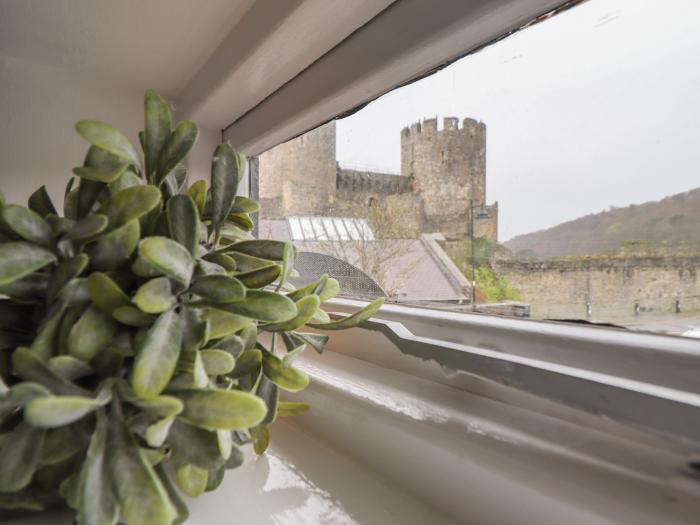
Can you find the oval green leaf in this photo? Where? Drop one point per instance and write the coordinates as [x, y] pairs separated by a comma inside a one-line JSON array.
[[92, 332], [57, 411], [113, 249], [18, 259], [157, 130], [219, 288], [155, 296], [28, 224], [264, 306], [129, 204], [157, 356], [109, 139], [221, 409], [169, 257], [287, 378], [176, 147], [183, 221]]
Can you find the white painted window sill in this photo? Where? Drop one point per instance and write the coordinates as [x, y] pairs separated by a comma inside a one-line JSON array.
[[395, 439]]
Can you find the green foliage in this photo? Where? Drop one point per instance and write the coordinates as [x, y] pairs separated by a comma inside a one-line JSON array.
[[130, 359], [496, 289]]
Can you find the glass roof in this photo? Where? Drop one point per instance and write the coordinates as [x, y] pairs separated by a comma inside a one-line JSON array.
[[329, 229]]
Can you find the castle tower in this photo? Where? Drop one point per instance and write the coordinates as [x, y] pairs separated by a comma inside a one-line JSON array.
[[449, 172], [299, 176]]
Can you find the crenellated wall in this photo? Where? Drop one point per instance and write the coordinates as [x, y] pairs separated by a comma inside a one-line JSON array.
[[443, 177], [449, 170], [562, 287]]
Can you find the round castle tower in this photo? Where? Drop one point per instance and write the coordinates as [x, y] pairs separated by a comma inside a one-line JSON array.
[[448, 167]]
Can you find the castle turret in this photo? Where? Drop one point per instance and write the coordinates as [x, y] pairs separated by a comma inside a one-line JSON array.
[[448, 167]]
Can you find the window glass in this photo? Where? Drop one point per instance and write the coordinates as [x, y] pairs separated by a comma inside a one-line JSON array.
[[550, 175]]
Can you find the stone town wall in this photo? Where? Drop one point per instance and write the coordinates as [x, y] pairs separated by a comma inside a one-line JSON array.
[[560, 288]]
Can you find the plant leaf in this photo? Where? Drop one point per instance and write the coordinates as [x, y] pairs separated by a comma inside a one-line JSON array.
[[157, 356], [157, 433], [244, 205], [198, 193], [183, 220], [352, 320], [222, 324], [40, 202], [155, 296], [269, 393], [261, 438], [92, 332], [191, 480], [169, 257], [57, 411], [264, 306], [113, 249], [109, 139], [28, 224], [195, 330], [264, 249], [221, 409], [67, 270], [105, 293], [227, 168], [129, 204], [261, 276], [87, 227], [219, 288], [95, 175], [315, 341], [69, 368], [30, 367], [194, 445], [291, 408], [176, 148], [19, 456], [142, 498], [286, 378], [97, 503], [247, 363], [157, 129], [217, 362], [132, 316], [306, 307]]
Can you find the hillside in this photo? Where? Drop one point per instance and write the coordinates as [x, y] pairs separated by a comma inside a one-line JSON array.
[[672, 223]]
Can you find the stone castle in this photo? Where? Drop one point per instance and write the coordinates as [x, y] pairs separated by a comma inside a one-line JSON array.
[[443, 178]]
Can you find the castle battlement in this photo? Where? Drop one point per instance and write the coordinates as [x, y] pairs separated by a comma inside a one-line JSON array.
[[353, 181], [429, 127]]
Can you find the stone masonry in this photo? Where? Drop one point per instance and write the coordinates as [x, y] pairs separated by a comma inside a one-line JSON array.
[[443, 177]]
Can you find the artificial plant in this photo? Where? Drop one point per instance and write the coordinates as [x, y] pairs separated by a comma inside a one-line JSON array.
[[137, 331]]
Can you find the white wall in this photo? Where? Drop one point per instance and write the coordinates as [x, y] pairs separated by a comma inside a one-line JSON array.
[[38, 107]]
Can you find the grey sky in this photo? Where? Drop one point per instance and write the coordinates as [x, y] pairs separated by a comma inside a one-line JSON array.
[[598, 106]]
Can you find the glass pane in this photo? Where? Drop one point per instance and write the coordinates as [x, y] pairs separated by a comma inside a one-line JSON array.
[[550, 175]]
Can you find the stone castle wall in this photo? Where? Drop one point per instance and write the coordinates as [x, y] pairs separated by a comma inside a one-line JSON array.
[[443, 176], [298, 177], [449, 169], [561, 288]]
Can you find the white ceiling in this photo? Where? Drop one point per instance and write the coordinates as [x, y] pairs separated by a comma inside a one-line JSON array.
[[139, 43]]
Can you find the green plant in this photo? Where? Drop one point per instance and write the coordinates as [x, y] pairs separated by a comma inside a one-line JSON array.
[[137, 332]]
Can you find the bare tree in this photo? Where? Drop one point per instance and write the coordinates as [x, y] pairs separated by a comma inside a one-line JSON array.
[[378, 251]]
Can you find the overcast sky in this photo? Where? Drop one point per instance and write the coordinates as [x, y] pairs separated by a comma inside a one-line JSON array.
[[595, 107]]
